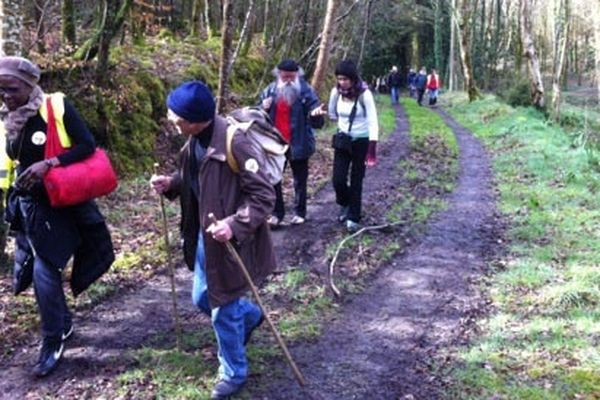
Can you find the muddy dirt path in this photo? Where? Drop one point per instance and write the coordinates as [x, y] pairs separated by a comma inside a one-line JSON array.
[[381, 345]]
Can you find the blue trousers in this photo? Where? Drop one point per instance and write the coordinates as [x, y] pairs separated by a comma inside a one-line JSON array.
[[48, 288], [394, 94], [50, 297], [230, 323]]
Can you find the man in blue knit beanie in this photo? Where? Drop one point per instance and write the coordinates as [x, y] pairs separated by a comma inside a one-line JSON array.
[[241, 202]]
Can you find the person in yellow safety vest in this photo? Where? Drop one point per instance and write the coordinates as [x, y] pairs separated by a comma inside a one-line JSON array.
[[47, 237], [7, 168]]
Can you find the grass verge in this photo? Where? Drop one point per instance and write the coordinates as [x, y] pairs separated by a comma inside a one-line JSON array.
[[541, 340]]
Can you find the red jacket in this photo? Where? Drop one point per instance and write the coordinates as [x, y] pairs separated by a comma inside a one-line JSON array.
[[433, 82]]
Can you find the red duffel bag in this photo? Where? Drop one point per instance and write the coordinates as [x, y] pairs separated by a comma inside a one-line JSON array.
[[78, 182]]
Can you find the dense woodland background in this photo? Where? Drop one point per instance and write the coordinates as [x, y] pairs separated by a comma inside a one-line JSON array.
[[117, 60], [105, 48]]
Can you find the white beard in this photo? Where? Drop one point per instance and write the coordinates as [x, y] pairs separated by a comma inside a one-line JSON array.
[[289, 91]]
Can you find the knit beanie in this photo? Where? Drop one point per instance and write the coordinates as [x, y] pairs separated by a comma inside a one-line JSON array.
[[288, 65], [348, 69], [20, 68], [192, 101]]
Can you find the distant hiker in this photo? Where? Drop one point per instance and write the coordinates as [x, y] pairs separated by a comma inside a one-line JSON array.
[[47, 237], [241, 202], [295, 110], [351, 104], [394, 80], [411, 81], [433, 86], [421, 85]]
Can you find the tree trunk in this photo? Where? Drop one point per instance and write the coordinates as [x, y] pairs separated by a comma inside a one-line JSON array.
[[226, 43], [12, 25], [560, 49], [209, 21], [365, 32], [326, 41], [537, 85], [112, 20], [196, 18], [451, 73], [68, 22], [437, 34], [268, 24], [242, 37], [596, 18], [464, 16]]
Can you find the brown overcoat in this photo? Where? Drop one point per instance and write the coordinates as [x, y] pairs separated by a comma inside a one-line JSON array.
[[244, 200]]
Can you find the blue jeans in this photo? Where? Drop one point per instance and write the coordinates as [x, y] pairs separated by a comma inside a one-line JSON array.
[[50, 297], [48, 288], [394, 93], [230, 323]]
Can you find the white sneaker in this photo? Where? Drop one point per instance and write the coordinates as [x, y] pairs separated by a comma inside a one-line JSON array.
[[273, 221], [297, 220], [352, 226]]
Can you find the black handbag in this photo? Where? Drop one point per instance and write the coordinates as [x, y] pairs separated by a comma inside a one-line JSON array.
[[341, 140]]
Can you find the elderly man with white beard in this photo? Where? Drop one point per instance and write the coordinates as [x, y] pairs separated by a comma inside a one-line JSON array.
[[295, 110]]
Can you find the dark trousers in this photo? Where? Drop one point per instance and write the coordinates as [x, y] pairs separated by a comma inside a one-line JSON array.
[[54, 313], [350, 195], [300, 174], [420, 93], [49, 293]]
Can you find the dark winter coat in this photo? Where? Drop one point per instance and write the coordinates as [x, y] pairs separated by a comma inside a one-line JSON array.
[[302, 145], [59, 233], [412, 78], [244, 200], [421, 81], [394, 80]]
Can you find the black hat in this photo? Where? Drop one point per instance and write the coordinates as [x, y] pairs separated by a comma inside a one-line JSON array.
[[288, 65], [348, 69]]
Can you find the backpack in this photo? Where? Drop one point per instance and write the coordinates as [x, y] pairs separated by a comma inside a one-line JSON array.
[[255, 124]]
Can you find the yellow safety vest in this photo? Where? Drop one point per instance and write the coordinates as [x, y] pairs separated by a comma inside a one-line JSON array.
[[7, 166]]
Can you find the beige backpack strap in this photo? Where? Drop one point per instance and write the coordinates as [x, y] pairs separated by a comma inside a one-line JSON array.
[[231, 129]]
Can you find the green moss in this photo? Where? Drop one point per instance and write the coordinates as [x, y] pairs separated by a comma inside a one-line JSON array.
[[202, 72]]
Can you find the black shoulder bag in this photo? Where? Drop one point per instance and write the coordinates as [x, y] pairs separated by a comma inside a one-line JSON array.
[[341, 140]]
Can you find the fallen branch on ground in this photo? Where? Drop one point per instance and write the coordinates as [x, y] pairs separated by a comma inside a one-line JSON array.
[[332, 285]]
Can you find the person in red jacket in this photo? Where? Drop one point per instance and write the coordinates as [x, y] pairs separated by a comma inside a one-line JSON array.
[[433, 86]]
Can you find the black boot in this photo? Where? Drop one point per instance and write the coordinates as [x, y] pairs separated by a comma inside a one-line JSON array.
[[50, 355]]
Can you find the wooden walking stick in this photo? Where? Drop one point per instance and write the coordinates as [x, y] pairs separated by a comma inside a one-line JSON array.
[[233, 252], [170, 266]]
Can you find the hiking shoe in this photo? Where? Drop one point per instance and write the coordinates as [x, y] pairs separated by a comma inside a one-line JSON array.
[[50, 355], [68, 332], [352, 226], [297, 220], [274, 222], [223, 389], [343, 214], [249, 333]]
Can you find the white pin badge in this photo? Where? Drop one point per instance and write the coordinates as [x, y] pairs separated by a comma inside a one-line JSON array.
[[38, 138], [251, 165]]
